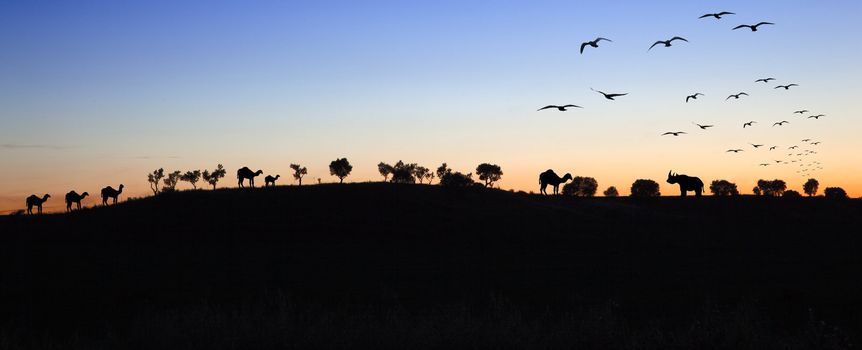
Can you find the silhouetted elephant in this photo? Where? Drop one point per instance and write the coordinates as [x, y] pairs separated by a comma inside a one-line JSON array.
[[246, 173], [549, 177], [269, 179], [35, 201], [110, 192], [74, 197], [686, 183]]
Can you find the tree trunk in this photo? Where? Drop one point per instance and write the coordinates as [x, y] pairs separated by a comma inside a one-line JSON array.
[[300, 181], [341, 180]]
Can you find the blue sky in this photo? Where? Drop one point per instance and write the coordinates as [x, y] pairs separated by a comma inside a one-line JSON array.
[[111, 89]]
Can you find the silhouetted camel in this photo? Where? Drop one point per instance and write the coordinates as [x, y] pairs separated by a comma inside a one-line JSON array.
[[110, 192], [549, 177], [35, 201], [270, 180], [686, 183], [74, 197], [246, 173], [717, 15], [752, 27]]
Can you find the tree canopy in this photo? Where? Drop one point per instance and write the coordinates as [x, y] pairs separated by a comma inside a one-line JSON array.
[[489, 173], [645, 188], [340, 168]]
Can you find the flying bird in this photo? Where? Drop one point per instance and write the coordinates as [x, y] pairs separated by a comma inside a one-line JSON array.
[[559, 108], [594, 43], [717, 15], [755, 145], [801, 111], [748, 124], [781, 123], [773, 147], [815, 143], [674, 133], [736, 96], [806, 140], [764, 164], [777, 161], [786, 87], [752, 27], [734, 150], [793, 147], [765, 80], [703, 127], [816, 116], [667, 42], [609, 96], [693, 97]]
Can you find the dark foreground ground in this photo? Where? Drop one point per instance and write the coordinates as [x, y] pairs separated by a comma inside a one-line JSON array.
[[414, 267]]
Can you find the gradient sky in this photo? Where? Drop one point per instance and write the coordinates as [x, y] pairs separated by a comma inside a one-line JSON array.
[[96, 93]]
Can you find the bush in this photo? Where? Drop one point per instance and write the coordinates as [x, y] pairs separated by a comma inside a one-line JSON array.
[[457, 180], [581, 187], [645, 188], [723, 188], [835, 193], [791, 194], [611, 192], [810, 187], [774, 188]]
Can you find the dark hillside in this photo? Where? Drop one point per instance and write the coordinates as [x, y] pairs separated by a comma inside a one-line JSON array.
[[415, 251]]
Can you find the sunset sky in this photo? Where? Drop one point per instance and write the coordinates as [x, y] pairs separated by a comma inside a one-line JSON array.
[[97, 93]]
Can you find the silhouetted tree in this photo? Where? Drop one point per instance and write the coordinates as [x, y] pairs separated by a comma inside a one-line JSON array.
[[422, 173], [457, 180], [611, 192], [171, 181], [835, 193], [385, 170], [403, 173], [298, 172], [192, 177], [791, 194], [774, 188], [810, 187], [213, 177], [489, 173], [340, 168], [442, 170], [645, 188], [154, 180], [723, 188], [581, 187], [756, 191]]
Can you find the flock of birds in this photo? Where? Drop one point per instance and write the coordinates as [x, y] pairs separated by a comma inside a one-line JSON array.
[[807, 167]]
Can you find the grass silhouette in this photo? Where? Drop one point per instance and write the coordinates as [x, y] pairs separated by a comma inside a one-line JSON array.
[[391, 265]]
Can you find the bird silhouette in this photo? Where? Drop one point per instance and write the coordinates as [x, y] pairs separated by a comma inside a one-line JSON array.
[[781, 123], [806, 140], [748, 124], [777, 161], [755, 145], [594, 43], [667, 43], [773, 147], [765, 80], [559, 108], [717, 15], [674, 133], [752, 27], [764, 164], [793, 147], [801, 111], [816, 116], [609, 96], [736, 96], [815, 143], [786, 87], [693, 97], [703, 127], [734, 150]]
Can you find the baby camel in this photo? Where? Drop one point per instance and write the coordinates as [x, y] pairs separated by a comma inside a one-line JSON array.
[[270, 180], [74, 197], [110, 192], [35, 201]]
